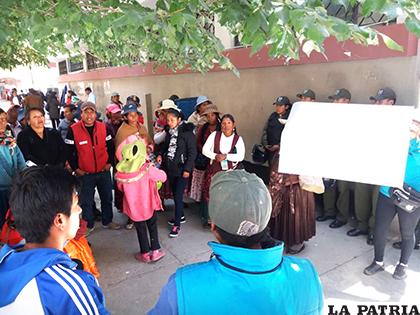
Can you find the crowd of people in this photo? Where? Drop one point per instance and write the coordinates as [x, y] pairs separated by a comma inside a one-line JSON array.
[[200, 157], [293, 215]]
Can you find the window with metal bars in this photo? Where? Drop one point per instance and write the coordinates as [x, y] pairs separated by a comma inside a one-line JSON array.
[[95, 63], [75, 64], [351, 14], [62, 67]]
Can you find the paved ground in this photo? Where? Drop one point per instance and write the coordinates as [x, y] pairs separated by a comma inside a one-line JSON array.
[[133, 288]]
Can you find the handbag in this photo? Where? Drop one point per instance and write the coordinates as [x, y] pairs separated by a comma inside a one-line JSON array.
[[201, 162], [259, 154], [407, 199]]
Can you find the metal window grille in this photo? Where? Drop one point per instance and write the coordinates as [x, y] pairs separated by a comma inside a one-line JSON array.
[[209, 26], [75, 64], [62, 67], [95, 63], [351, 14]]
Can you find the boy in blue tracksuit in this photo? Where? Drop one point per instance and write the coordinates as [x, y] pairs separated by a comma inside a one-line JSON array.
[[247, 273], [39, 278]]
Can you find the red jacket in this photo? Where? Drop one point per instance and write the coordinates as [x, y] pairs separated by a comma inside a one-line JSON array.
[[92, 157]]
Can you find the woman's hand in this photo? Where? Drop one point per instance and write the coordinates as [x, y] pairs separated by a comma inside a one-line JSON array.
[[221, 157], [186, 174]]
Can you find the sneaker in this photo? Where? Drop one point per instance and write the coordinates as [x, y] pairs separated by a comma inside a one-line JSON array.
[[157, 255], [129, 226], [89, 230], [399, 272], [373, 268], [143, 257], [112, 226], [172, 221], [174, 231]]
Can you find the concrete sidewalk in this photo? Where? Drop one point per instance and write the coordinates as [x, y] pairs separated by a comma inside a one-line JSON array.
[[132, 287]]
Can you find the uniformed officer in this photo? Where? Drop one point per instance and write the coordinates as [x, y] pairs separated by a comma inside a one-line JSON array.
[[366, 195]]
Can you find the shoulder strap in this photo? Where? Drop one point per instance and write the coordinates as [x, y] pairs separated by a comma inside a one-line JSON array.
[[234, 142], [217, 142]]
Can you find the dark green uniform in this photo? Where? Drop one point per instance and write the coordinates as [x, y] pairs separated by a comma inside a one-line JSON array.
[[365, 199], [337, 200]]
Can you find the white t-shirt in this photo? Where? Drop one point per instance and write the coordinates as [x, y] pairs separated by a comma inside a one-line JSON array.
[[91, 98], [225, 146]]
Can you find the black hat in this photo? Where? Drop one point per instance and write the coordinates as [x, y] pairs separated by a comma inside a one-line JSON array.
[[340, 93], [282, 100], [307, 93], [133, 98], [383, 94]]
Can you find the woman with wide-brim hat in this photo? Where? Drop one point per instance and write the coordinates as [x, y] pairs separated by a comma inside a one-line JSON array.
[[159, 124], [197, 118], [212, 115]]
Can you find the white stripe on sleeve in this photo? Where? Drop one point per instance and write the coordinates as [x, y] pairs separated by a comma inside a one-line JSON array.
[[84, 287], [67, 289], [75, 288]]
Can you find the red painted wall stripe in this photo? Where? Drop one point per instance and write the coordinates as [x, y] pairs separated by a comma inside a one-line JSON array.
[[335, 51]]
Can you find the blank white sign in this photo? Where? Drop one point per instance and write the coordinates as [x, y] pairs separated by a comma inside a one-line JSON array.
[[353, 142]]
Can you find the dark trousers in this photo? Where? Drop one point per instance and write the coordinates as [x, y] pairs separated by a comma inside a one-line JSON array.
[[4, 206], [55, 123], [178, 184], [365, 199], [103, 182], [329, 198], [337, 200], [385, 213], [142, 227]]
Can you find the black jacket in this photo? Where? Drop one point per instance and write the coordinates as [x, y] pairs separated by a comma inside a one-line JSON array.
[[49, 150], [186, 151], [274, 129]]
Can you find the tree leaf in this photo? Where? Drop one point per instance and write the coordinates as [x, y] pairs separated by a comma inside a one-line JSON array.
[[258, 42], [390, 43], [253, 23], [413, 25], [317, 33], [308, 46], [109, 33], [369, 6]]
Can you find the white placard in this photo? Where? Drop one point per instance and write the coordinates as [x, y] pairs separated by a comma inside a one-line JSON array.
[[353, 142]]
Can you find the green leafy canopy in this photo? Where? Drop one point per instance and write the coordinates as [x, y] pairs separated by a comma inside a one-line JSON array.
[[176, 33]]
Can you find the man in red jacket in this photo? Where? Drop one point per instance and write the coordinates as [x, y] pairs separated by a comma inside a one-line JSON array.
[[91, 154]]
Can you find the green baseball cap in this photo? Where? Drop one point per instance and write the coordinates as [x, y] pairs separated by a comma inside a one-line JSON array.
[[240, 203]]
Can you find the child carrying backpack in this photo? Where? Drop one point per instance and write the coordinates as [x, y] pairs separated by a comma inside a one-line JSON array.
[[138, 179]]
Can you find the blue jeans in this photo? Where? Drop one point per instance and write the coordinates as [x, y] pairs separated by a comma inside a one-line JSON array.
[[103, 182], [178, 184]]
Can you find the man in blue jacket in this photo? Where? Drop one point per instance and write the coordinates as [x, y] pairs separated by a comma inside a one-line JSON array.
[[39, 278], [247, 272]]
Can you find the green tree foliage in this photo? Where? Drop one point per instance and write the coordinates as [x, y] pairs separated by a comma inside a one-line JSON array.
[[175, 33]]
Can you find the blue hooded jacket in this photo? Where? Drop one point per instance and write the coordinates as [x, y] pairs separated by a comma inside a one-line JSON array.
[[45, 281], [243, 281]]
